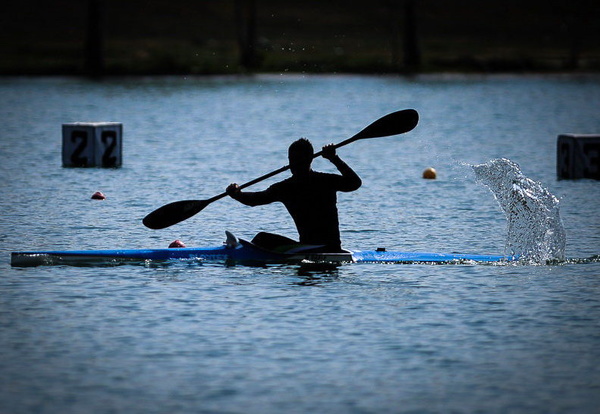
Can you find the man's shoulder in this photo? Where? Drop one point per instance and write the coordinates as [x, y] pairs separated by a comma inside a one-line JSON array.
[[313, 178], [285, 182], [280, 185], [323, 175]]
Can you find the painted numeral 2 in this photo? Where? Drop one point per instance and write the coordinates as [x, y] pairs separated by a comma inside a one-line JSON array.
[[109, 139], [76, 159]]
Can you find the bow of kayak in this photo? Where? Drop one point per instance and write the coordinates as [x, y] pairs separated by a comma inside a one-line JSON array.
[[376, 256]]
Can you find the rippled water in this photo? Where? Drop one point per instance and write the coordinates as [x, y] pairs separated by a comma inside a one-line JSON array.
[[192, 337]]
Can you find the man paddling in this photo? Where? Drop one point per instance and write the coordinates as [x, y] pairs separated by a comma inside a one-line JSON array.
[[309, 196]]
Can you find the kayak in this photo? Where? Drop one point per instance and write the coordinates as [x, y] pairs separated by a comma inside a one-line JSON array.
[[241, 252]]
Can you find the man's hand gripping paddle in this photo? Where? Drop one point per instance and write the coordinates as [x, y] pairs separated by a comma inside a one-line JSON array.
[[392, 124]]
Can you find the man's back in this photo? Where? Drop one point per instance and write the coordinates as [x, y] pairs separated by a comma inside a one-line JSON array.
[[311, 200]]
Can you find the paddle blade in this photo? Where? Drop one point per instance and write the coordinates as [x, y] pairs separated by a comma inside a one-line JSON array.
[[173, 213], [392, 124]]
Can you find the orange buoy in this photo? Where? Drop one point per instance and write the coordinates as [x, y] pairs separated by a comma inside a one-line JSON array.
[[430, 173], [98, 196], [176, 243]]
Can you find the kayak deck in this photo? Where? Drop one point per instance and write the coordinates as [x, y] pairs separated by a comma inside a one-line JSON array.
[[242, 253]]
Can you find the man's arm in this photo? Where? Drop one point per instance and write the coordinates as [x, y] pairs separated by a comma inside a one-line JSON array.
[[249, 198], [351, 180]]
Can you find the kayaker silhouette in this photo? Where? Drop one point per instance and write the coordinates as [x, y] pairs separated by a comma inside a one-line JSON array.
[[309, 196]]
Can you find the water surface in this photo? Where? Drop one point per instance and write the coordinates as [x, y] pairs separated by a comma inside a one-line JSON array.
[[191, 337]]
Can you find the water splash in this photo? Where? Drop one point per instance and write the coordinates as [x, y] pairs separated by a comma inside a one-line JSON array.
[[535, 230]]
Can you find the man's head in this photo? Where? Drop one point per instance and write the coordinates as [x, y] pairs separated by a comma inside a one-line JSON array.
[[300, 155]]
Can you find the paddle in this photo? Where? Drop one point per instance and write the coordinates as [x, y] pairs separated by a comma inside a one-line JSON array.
[[392, 124]]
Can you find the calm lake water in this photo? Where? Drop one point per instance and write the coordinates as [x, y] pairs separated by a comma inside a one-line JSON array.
[[205, 338]]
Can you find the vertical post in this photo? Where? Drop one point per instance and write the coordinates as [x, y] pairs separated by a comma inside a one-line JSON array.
[[94, 53], [412, 53], [245, 11], [574, 21], [394, 19]]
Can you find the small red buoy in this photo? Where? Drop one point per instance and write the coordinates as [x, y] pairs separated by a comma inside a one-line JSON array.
[[430, 173], [176, 243], [98, 196]]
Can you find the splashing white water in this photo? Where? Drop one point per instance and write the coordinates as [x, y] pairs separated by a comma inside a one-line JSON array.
[[535, 230]]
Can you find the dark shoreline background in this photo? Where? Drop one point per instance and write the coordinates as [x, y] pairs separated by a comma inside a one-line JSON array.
[[171, 37]]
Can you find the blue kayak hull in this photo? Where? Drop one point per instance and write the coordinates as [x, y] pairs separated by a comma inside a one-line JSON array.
[[242, 253]]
